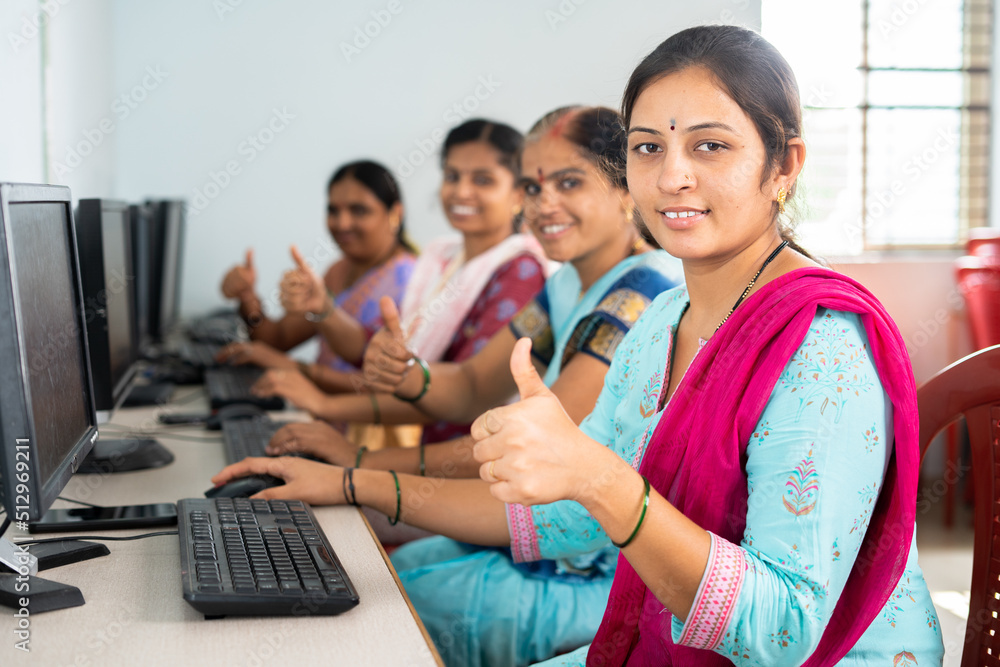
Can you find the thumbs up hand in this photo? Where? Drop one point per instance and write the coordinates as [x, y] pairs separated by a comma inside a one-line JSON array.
[[302, 290], [240, 279], [530, 451], [387, 359]]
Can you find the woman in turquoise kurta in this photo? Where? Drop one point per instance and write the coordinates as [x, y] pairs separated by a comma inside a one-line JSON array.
[[802, 490], [754, 452]]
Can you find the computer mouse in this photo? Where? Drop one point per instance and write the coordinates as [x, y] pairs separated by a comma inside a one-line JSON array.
[[234, 411], [244, 487]]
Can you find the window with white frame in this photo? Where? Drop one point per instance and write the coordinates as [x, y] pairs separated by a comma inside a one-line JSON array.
[[895, 97]]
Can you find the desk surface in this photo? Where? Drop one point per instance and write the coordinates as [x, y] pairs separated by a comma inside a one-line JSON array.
[[135, 614]]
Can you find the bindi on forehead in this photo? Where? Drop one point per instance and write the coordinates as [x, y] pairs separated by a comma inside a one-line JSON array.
[[541, 176], [673, 123]]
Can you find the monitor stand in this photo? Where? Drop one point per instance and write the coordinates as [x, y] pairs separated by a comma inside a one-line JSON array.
[[157, 393], [125, 455], [21, 590]]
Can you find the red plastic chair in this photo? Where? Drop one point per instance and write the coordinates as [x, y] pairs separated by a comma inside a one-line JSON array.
[[983, 242], [970, 388], [979, 280]]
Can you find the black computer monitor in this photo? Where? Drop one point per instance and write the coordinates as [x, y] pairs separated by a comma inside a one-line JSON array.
[[48, 420], [48, 417], [165, 272], [142, 265], [104, 238], [103, 235]]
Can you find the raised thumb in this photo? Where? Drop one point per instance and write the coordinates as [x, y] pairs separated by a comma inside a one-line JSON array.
[[300, 261], [249, 263], [528, 382], [390, 316]]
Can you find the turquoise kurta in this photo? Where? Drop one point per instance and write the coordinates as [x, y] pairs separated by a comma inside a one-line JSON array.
[[814, 468]]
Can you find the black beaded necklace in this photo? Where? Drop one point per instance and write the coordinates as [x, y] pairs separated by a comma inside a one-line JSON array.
[[753, 281]]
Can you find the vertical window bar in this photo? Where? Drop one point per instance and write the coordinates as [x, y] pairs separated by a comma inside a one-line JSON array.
[[864, 123], [976, 127]]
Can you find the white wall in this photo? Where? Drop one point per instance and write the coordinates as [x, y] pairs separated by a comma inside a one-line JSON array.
[[21, 128], [223, 75], [81, 125]]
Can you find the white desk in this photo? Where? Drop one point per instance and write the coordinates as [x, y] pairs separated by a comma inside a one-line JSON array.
[[135, 614]]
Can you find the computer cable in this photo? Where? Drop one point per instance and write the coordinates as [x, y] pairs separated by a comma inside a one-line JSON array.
[[78, 502], [97, 537]]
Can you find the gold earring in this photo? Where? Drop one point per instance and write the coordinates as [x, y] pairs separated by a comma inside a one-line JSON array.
[[782, 194]]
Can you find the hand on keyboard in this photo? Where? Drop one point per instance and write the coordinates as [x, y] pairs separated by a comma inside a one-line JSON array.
[[317, 439], [256, 353], [305, 480], [293, 386]]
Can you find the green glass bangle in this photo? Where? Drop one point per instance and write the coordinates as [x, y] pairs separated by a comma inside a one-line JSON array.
[[645, 505], [423, 468], [357, 459], [376, 410], [427, 382], [399, 499]]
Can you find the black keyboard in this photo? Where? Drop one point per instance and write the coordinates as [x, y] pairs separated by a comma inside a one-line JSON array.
[[231, 384], [201, 355], [220, 329], [259, 558], [247, 437]]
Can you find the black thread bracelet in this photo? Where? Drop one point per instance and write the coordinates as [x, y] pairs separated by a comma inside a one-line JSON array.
[[349, 476], [399, 499]]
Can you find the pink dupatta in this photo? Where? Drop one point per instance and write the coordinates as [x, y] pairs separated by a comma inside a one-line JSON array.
[[711, 417], [445, 286]]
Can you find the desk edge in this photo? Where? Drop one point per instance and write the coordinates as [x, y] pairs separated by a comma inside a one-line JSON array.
[[402, 591]]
